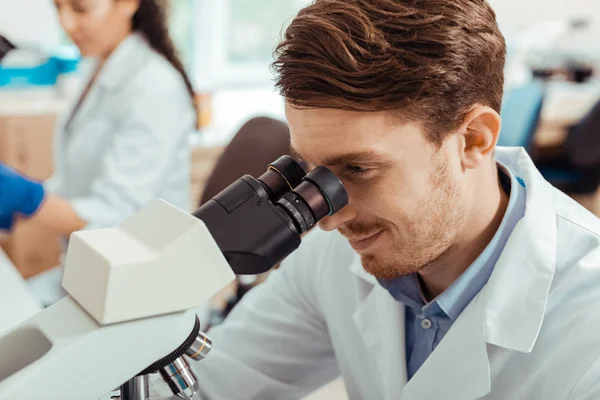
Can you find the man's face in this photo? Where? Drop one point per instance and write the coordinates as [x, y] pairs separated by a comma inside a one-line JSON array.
[[407, 201]]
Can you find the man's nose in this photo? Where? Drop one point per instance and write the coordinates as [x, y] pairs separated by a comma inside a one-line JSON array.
[[333, 222]]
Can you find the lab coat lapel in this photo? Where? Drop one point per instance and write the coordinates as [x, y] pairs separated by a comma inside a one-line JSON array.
[[509, 310], [83, 115], [458, 368], [380, 320], [459, 365], [518, 289], [121, 66]]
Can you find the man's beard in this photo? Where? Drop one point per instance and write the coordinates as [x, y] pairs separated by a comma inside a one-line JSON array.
[[429, 234]]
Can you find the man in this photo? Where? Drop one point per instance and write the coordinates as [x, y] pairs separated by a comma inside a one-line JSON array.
[[455, 271]]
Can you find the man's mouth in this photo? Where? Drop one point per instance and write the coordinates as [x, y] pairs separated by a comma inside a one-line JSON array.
[[363, 243]]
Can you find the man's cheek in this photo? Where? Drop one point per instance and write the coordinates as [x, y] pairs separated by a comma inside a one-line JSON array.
[[381, 202]]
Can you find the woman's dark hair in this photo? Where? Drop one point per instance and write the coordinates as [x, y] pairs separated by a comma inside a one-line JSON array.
[[151, 19]]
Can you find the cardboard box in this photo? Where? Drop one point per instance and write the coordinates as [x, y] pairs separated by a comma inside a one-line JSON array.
[[26, 145]]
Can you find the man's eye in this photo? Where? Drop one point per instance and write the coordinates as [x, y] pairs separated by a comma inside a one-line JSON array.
[[356, 170]]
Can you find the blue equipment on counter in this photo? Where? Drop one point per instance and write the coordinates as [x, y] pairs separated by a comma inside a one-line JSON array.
[[44, 74]]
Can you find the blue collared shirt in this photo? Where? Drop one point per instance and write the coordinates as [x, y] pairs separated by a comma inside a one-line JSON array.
[[427, 323]]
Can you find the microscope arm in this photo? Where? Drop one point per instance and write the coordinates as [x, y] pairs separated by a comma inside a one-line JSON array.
[[128, 288], [63, 352]]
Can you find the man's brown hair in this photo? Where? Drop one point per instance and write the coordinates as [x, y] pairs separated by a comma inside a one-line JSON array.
[[431, 60]]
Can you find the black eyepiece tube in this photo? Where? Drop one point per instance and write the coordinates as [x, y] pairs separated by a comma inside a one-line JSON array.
[[281, 176], [319, 195], [330, 186], [257, 225]]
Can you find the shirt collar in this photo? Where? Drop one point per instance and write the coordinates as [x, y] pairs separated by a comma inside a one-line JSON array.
[[456, 297], [405, 289]]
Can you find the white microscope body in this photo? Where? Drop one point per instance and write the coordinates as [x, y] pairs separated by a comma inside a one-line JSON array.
[[129, 287]]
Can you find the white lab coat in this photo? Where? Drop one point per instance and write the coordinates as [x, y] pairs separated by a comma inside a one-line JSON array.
[[128, 143], [531, 333]]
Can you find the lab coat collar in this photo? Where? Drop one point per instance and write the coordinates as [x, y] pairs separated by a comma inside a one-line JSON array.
[[124, 62], [517, 291], [385, 344], [457, 370], [508, 312], [357, 268]]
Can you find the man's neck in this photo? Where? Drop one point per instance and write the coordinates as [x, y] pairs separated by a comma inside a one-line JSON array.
[[478, 231]]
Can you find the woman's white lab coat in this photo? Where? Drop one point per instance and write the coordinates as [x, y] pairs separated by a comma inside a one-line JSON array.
[[128, 143], [532, 333]]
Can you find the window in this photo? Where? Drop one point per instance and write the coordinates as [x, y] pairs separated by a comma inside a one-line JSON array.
[[181, 18], [235, 40], [254, 30]]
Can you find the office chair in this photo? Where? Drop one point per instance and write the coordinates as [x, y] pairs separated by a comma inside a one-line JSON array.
[[576, 170], [520, 115], [259, 142]]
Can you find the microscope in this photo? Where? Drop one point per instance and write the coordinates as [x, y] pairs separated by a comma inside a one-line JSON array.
[[133, 288]]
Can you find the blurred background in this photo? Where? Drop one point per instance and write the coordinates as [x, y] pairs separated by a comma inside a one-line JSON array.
[[227, 46], [550, 107]]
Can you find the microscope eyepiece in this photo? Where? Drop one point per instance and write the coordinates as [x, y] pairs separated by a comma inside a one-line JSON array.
[[320, 194], [331, 188], [281, 176]]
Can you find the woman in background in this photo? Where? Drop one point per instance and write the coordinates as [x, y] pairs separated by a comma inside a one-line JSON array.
[[125, 140]]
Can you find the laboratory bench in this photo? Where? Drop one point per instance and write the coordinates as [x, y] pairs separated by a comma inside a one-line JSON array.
[[565, 103], [17, 303]]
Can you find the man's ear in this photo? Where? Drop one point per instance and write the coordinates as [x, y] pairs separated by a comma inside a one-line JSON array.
[[480, 130]]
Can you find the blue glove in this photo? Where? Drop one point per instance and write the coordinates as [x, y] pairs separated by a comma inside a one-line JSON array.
[[18, 195]]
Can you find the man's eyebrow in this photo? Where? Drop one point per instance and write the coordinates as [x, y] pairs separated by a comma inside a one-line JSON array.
[[366, 156], [357, 157]]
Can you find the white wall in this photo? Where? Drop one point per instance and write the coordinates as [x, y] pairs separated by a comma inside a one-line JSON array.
[[35, 20], [32, 21], [518, 15]]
